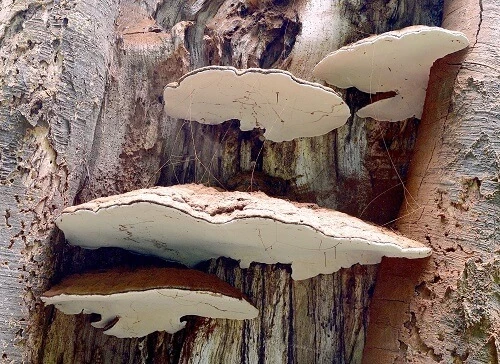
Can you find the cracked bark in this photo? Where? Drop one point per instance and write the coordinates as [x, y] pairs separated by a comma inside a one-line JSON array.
[[81, 117], [451, 311]]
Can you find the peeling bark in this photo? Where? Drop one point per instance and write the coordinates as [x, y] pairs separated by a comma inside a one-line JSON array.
[[451, 304]]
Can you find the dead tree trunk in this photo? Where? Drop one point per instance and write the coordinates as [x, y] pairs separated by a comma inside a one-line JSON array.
[[81, 117], [448, 308]]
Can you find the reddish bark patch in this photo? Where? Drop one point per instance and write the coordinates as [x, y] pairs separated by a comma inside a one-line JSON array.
[[138, 28], [390, 306]]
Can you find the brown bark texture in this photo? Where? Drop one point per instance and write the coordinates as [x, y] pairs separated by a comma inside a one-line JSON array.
[[81, 116], [448, 307]]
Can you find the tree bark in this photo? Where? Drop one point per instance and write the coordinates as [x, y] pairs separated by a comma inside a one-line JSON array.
[[81, 116], [448, 308]]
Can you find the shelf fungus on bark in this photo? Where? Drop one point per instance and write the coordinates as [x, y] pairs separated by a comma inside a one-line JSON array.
[[135, 303], [271, 99], [396, 62], [193, 223]]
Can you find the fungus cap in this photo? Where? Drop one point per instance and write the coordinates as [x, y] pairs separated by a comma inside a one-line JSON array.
[[137, 303], [271, 99], [398, 61], [192, 223]]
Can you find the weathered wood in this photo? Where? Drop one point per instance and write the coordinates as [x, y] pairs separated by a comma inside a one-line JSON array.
[[450, 307], [81, 117], [52, 77]]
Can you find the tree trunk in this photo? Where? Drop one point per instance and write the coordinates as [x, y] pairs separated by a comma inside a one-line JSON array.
[[82, 117], [448, 307]]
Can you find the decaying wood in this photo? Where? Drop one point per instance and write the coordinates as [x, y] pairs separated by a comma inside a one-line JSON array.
[[81, 117], [449, 307]]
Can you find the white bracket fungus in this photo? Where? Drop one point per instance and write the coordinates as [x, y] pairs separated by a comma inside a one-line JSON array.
[[137, 303], [192, 223], [285, 106], [397, 61]]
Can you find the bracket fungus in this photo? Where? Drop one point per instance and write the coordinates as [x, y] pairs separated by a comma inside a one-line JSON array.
[[139, 302], [285, 106], [397, 62], [193, 223]]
